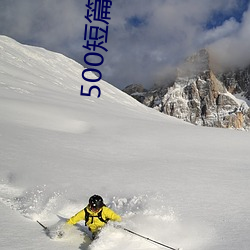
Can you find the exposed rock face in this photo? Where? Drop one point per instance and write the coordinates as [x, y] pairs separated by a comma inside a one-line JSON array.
[[137, 91], [199, 97], [237, 81], [134, 88]]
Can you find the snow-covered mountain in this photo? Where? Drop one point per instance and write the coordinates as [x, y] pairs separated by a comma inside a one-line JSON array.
[[182, 185], [201, 96]]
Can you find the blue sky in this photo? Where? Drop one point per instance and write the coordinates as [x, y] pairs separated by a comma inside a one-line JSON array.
[[146, 39], [218, 17]]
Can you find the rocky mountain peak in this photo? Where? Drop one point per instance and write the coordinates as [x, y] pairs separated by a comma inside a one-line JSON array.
[[196, 64], [201, 97]]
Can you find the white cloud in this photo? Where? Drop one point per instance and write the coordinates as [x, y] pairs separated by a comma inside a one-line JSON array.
[[228, 28], [170, 31], [233, 50]]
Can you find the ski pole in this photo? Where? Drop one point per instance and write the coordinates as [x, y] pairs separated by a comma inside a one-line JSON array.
[[45, 228], [146, 238]]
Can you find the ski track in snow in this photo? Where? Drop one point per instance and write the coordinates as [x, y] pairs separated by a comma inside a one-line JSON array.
[[43, 117]]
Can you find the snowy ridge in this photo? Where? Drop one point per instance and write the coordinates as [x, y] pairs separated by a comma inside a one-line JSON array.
[[182, 185], [38, 71]]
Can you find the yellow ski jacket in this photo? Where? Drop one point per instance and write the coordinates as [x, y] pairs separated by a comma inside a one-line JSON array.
[[94, 223]]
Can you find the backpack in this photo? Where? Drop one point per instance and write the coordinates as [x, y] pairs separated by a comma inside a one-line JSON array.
[[88, 216]]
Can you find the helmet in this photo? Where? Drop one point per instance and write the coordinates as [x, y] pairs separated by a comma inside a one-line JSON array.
[[95, 202]]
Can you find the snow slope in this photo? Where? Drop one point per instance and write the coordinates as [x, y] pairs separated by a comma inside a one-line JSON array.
[[179, 184]]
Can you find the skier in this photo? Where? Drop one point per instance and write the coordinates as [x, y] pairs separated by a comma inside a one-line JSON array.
[[95, 214]]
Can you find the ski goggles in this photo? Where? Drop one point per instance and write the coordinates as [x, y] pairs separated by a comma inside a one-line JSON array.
[[94, 208]]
